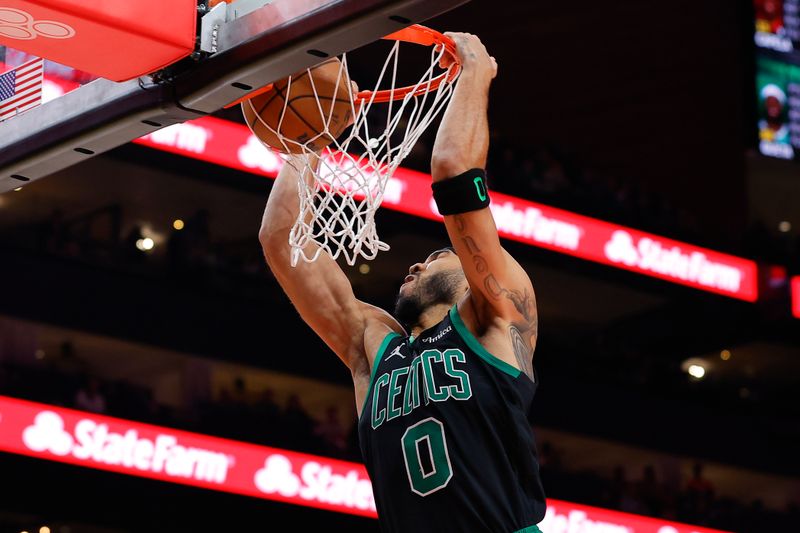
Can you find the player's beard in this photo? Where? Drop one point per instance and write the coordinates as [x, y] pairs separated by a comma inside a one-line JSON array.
[[438, 288]]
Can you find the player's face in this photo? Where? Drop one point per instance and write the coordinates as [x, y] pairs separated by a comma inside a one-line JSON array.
[[439, 279], [437, 262]]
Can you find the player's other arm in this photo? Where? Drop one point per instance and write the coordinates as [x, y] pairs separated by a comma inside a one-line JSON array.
[[501, 291], [320, 291]]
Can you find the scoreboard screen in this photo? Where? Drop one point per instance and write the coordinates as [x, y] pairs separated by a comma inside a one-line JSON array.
[[777, 39]]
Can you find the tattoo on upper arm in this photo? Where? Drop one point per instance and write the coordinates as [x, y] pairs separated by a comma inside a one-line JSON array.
[[523, 349]]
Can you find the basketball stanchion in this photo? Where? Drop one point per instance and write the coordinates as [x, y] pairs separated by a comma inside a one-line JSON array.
[[362, 138]]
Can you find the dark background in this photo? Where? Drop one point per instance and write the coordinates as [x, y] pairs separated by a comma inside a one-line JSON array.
[[644, 113]]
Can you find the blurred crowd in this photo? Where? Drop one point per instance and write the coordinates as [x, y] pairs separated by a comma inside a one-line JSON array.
[[557, 177], [539, 174], [241, 412], [695, 501]]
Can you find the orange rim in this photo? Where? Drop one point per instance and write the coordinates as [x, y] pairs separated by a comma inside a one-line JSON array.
[[424, 36], [416, 34]]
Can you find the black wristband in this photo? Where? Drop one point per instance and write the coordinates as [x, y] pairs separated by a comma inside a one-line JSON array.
[[462, 193]]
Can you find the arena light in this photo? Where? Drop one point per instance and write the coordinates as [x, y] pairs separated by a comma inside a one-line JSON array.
[[697, 368], [145, 244], [143, 450], [696, 371], [232, 145], [795, 289]]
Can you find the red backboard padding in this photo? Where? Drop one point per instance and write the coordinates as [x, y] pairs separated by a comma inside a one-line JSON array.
[[115, 39]]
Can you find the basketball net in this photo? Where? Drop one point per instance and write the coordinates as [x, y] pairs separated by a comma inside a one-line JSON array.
[[340, 195]]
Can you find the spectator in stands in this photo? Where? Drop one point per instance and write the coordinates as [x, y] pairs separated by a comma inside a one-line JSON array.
[[67, 363], [332, 432], [699, 493], [267, 407], [549, 457], [267, 424], [239, 395], [616, 489], [89, 398], [650, 492], [298, 423]]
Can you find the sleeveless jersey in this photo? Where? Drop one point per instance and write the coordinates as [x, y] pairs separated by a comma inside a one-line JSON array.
[[446, 438]]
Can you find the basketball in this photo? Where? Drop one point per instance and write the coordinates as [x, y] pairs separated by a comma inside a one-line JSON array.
[[306, 113]]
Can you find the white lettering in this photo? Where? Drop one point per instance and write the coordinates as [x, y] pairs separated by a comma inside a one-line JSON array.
[[393, 194], [439, 335], [184, 136], [94, 442], [532, 224], [648, 254], [317, 482], [255, 155]]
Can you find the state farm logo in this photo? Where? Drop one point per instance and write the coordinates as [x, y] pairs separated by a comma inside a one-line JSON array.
[[650, 255], [47, 434], [18, 24], [255, 155], [316, 482], [94, 442]]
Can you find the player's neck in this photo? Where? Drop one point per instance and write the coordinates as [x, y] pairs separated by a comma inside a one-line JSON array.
[[430, 317]]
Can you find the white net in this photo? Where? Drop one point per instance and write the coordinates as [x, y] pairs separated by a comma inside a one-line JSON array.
[[337, 206]]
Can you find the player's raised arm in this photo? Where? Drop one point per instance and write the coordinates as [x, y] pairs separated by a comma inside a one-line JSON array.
[[319, 290], [499, 288]]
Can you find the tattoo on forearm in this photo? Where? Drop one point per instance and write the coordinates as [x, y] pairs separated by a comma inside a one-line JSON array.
[[472, 248], [523, 333]]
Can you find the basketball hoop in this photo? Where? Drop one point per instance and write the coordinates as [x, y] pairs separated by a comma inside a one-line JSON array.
[[339, 197]]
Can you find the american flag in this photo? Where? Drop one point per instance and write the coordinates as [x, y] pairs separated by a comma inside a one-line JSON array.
[[21, 88]]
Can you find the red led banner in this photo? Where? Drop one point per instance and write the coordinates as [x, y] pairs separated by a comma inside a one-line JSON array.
[[131, 448], [136, 449], [795, 284], [232, 145]]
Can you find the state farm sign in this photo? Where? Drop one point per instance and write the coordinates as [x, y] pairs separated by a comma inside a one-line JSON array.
[[315, 481], [233, 145], [94, 442], [105, 443], [131, 448], [563, 517]]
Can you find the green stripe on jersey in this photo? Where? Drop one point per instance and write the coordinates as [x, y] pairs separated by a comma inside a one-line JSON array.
[[475, 345]]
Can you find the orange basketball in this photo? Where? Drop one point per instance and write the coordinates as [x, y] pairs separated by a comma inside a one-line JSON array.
[[304, 113]]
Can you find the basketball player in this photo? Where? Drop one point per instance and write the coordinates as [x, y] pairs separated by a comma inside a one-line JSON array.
[[444, 387]]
